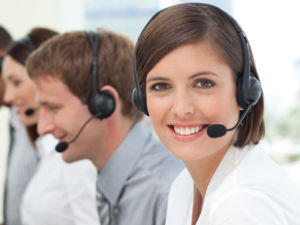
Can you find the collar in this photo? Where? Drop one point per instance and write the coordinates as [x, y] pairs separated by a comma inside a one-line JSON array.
[[45, 145], [231, 159], [112, 178]]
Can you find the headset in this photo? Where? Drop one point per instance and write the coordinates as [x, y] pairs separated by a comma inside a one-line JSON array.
[[24, 41], [248, 89], [100, 103], [27, 42], [1, 61]]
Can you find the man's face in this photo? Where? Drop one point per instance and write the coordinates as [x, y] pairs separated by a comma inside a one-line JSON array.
[[63, 114]]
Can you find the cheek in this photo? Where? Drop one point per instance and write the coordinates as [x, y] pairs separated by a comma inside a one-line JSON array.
[[27, 92], [156, 108], [28, 121], [228, 108]]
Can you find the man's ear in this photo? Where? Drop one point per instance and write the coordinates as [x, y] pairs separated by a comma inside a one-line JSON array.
[[111, 90]]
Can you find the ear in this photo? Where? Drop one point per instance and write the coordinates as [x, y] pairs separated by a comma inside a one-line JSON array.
[[111, 90], [118, 104]]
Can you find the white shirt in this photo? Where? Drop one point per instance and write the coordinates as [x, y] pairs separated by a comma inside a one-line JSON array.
[[60, 193], [248, 188], [4, 147]]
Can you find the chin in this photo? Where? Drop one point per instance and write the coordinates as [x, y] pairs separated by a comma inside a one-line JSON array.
[[68, 157]]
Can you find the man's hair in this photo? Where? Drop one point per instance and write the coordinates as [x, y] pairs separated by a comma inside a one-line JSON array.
[[5, 38], [69, 56]]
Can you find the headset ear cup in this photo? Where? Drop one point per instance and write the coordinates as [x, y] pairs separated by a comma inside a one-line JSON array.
[[135, 99], [249, 94], [103, 103], [139, 100], [254, 91]]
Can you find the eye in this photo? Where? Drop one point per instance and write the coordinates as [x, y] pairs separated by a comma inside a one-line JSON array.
[[52, 108], [16, 83], [160, 86], [204, 83]]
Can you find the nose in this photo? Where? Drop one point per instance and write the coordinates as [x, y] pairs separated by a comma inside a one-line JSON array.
[[183, 105], [45, 122], [9, 94]]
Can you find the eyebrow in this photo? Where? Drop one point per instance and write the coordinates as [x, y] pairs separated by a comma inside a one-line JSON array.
[[190, 77], [11, 76], [45, 103]]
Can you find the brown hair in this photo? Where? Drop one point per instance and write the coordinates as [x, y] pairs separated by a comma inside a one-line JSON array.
[[193, 22], [69, 58], [19, 50], [5, 38]]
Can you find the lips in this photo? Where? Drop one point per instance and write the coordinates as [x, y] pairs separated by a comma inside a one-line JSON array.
[[60, 138], [185, 131]]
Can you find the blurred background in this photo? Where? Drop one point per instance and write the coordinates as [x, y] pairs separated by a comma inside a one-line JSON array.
[[271, 27]]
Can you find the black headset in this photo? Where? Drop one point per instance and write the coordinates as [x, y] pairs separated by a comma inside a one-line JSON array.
[[100, 103], [248, 86], [1, 61], [27, 42]]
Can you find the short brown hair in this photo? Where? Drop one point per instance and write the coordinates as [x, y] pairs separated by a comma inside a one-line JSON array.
[[69, 57], [193, 22]]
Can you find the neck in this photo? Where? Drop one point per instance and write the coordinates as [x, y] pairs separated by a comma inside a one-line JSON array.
[[202, 172], [115, 131]]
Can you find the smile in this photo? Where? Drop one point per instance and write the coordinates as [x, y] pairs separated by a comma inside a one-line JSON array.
[[188, 130]]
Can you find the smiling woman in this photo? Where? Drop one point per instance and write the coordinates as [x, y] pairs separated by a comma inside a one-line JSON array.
[[194, 72], [184, 97]]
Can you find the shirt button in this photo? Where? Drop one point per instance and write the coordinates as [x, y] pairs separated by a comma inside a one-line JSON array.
[[116, 210]]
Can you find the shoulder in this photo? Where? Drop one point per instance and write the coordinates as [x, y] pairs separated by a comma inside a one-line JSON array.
[[257, 190], [257, 171], [247, 207], [158, 163]]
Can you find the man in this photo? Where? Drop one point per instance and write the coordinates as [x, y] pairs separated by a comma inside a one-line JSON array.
[[85, 82]]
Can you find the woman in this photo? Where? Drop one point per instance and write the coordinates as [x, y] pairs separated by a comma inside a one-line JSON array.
[[196, 78], [22, 158], [58, 193]]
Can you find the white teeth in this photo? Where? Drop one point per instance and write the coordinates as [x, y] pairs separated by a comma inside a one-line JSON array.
[[187, 130]]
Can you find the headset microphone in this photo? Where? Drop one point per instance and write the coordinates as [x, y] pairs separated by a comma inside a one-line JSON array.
[[219, 130], [29, 111], [62, 146]]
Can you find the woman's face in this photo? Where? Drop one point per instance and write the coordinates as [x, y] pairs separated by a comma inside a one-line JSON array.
[[188, 90], [20, 90]]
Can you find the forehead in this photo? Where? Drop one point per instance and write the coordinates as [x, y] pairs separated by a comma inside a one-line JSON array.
[[53, 90], [190, 59], [12, 68]]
